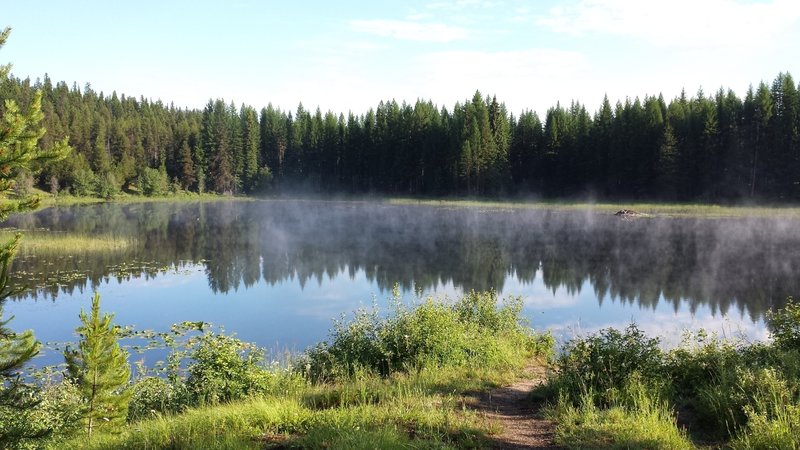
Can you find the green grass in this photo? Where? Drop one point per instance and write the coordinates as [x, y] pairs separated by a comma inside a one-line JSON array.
[[50, 242], [646, 424], [48, 199], [656, 209], [425, 409]]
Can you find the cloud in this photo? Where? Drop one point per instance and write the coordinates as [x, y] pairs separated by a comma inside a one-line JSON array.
[[522, 78], [719, 23], [410, 30], [459, 5]]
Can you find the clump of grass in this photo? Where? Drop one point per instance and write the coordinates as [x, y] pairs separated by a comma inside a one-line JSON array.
[[47, 242], [425, 409], [640, 421], [240, 423], [779, 429]]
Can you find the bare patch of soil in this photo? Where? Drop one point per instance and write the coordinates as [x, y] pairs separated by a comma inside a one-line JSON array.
[[519, 418]]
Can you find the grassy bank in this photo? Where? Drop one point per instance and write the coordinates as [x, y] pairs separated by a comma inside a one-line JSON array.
[[48, 199], [659, 209], [645, 208], [618, 389], [403, 378]]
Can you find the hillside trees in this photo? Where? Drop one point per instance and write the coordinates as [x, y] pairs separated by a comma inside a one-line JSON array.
[[707, 147]]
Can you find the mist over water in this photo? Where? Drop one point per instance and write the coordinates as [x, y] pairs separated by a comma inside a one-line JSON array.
[[276, 272]]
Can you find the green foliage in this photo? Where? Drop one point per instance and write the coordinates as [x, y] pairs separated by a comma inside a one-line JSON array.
[[20, 133], [153, 182], [774, 427], [84, 183], [107, 186], [785, 325], [642, 421], [261, 181], [729, 390], [224, 369], [602, 364], [152, 395], [472, 331], [100, 370], [55, 414]]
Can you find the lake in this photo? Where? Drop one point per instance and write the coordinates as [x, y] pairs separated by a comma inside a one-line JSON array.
[[277, 272]]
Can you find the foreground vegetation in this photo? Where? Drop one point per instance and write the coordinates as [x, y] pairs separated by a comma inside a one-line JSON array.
[[385, 380], [619, 389], [407, 377]]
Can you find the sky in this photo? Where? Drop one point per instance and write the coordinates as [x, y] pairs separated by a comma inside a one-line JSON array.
[[348, 56]]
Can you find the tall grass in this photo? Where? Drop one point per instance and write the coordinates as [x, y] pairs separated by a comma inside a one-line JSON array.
[[49, 242], [636, 420]]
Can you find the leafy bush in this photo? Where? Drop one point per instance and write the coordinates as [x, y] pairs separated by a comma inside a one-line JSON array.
[[84, 183], [56, 415], [785, 325], [779, 430], [153, 182], [154, 395], [602, 364], [107, 186], [473, 330], [224, 369]]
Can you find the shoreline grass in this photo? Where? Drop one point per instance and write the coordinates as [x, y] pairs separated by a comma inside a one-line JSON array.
[[51, 242], [649, 208]]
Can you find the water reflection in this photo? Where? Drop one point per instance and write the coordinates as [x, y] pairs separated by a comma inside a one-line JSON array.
[[747, 264]]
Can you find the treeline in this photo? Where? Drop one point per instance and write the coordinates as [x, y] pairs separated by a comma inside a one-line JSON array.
[[708, 147]]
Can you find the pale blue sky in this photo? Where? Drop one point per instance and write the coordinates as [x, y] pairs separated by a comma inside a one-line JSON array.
[[350, 55]]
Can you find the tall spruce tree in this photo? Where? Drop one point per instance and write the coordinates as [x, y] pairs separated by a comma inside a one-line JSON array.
[[100, 369]]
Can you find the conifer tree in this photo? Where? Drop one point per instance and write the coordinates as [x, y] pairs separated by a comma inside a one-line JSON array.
[[19, 135], [100, 369]]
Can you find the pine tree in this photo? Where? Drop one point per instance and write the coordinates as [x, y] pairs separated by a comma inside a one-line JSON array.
[[100, 369], [19, 137]]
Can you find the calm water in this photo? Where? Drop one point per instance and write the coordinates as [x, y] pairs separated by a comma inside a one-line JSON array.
[[277, 272]]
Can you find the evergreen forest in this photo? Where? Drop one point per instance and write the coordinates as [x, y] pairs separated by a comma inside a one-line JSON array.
[[716, 147]]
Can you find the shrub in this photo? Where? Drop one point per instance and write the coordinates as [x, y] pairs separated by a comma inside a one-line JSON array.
[[602, 363], [107, 186], [224, 369], [55, 415], [472, 331], [154, 395], [785, 325], [153, 182], [84, 183]]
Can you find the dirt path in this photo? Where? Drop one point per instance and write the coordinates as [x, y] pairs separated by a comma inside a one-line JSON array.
[[519, 418]]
